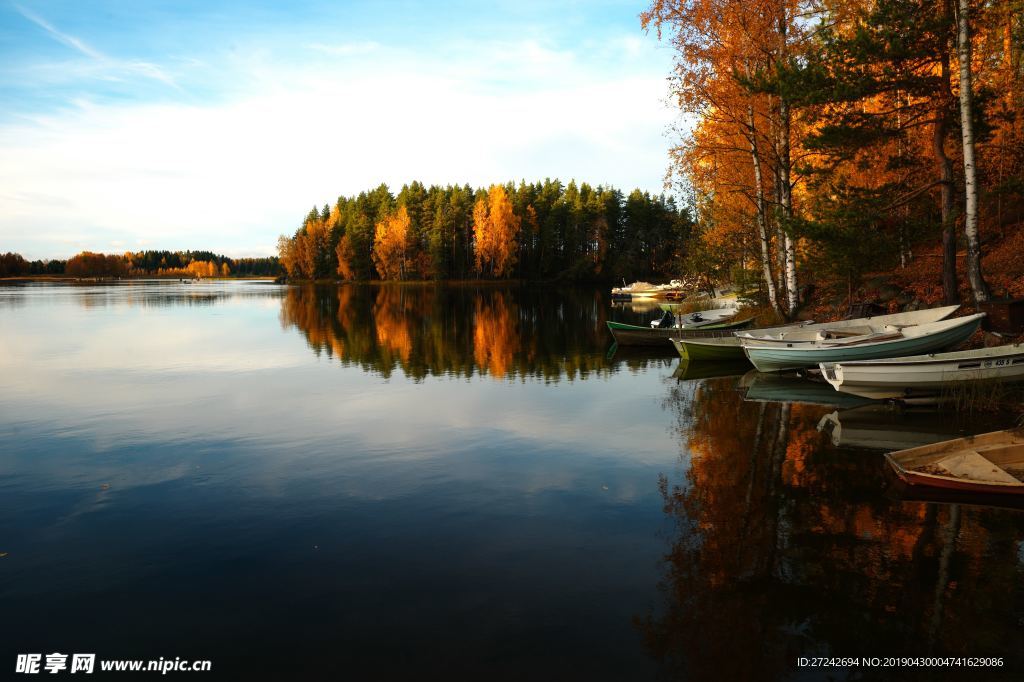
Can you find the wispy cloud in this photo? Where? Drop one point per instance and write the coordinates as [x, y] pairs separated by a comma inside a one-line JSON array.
[[141, 68]]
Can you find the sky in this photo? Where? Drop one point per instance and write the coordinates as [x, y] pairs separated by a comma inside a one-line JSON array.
[[217, 125]]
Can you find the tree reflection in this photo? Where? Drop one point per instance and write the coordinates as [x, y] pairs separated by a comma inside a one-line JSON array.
[[435, 330], [496, 338], [784, 546]]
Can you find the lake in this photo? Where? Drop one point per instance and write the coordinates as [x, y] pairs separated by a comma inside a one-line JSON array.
[[400, 482]]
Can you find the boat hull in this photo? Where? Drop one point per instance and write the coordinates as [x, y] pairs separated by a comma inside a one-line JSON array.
[[926, 376], [634, 335], [782, 357], [917, 478], [988, 463], [722, 349]]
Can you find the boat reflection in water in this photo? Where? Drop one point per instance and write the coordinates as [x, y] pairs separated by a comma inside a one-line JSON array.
[[784, 545], [708, 370], [764, 387], [880, 426]]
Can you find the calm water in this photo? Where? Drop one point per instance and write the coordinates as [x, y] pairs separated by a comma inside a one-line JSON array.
[[396, 482]]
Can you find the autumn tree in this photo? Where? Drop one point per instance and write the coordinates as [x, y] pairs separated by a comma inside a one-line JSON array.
[[391, 245], [89, 264], [495, 230], [545, 229], [731, 65]]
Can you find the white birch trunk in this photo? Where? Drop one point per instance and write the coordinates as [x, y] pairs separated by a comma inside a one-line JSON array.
[[963, 43], [786, 198], [762, 228], [785, 185]]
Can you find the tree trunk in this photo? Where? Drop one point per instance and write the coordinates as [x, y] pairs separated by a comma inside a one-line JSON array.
[[785, 187], [940, 127], [979, 290], [766, 257], [780, 240], [786, 200]]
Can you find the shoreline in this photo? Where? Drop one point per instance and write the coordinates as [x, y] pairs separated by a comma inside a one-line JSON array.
[[25, 279]]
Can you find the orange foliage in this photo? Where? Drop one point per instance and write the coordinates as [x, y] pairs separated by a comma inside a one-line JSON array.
[[392, 318], [202, 268], [496, 230], [391, 245], [89, 264], [346, 257], [312, 248], [495, 334]]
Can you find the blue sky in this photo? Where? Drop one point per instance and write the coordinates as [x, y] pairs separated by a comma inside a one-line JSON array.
[[216, 125]]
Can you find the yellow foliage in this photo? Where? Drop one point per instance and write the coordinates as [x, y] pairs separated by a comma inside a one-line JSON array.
[[391, 245], [495, 335], [496, 229]]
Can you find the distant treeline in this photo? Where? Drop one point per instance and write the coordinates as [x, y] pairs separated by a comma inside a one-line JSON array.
[[14, 265], [142, 263], [541, 230]]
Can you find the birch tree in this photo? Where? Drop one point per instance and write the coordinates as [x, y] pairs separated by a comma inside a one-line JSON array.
[[979, 290]]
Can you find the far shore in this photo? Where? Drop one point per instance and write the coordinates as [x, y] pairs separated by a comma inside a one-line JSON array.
[[70, 278]]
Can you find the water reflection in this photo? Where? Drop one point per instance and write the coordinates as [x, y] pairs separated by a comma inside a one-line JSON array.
[[461, 331], [880, 426], [786, 546], [138, 293], [435, 489]]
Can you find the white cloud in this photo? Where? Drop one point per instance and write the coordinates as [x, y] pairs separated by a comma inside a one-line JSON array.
[[232, 175]]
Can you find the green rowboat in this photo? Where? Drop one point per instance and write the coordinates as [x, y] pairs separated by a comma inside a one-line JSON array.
[[635, 335], [726, 348]]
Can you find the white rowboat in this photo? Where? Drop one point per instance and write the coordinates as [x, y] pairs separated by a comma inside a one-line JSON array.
[[731, 347], [701, 318], [923, 375], [886, 342], [839, 328]]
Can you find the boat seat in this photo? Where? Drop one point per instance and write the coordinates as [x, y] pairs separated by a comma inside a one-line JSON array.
[[972, 466], [843, 332], [863, 338]]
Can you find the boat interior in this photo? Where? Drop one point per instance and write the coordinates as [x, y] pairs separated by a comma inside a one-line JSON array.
[[865, 333], [1008, 351], [809, 331], [992, 458]]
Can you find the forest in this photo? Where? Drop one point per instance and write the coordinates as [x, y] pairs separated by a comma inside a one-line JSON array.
[[836, 139], [538, 231], [192, 264]]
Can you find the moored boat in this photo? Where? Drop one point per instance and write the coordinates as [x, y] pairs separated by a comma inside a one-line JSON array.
[[729, 347], [876, 342], [696, 319], [645, 290], [720, 348], [925, 375], [635, 335], [988, 463], [851, 327]]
